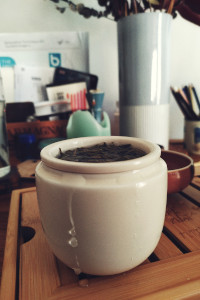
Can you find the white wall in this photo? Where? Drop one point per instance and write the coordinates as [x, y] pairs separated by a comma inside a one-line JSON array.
[[41, 15], [185, 66]]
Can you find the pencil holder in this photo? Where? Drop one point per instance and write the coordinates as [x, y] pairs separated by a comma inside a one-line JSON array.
[[192, 136]]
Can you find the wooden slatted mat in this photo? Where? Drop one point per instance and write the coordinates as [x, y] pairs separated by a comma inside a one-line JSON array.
[[32, 272]]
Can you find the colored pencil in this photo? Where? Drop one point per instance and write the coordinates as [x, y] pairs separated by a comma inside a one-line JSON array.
[[184, 106]]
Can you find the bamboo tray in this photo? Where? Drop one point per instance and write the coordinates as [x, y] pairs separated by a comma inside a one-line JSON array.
[[32, 272]]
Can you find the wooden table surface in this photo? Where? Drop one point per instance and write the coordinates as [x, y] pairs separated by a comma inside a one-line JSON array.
[[31, 271]]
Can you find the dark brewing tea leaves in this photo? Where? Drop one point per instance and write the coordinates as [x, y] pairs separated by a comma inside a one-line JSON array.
[[101, 153]]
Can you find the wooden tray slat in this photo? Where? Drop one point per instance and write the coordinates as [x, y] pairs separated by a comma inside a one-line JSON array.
[[183, 221], [196, 181], [8, 280], [166, 248], [192, 192], [38, 271], [43, 277], [168, 276]]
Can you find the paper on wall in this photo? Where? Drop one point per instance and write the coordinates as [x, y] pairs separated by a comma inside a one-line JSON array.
[[45, 49], [7, 88], [30, 83], [2, 97], [73, 93], [42, 50]]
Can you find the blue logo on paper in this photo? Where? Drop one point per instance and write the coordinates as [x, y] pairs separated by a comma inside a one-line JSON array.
[[54, 60], [6, 61]]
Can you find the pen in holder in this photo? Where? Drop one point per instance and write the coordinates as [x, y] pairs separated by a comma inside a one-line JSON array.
[[95, 100], [84, 123], [188, 102]]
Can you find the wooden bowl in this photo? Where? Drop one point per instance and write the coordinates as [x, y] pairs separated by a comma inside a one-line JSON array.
[[180, 170]]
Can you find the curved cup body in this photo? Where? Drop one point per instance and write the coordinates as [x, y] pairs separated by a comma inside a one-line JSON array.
[[102, 218]]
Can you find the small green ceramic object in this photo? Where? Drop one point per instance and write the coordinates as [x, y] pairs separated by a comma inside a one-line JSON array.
[[82, 124]]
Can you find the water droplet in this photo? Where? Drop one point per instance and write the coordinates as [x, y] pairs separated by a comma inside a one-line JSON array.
[[134, 235], [188, 278], [77, 271], [72, 231], [73, 242], [83, 282]]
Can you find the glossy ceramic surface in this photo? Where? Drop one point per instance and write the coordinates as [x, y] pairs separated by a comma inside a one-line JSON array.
[[102, 218], [82, 123], [180, 170], [144, 75]]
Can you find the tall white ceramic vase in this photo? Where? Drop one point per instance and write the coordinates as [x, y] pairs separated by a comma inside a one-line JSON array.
[[144, 76]]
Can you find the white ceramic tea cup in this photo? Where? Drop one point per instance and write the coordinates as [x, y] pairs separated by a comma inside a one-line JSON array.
[[102, 218]]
